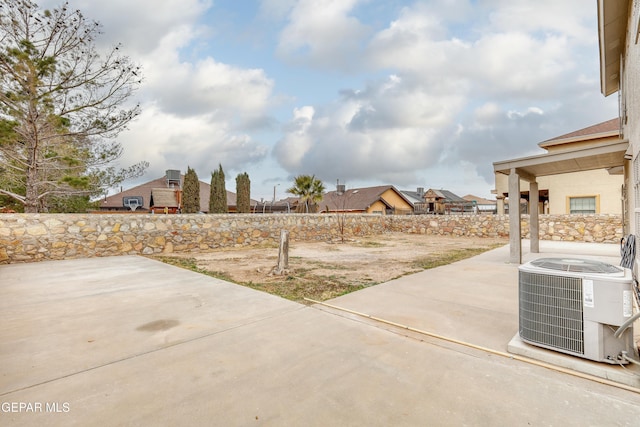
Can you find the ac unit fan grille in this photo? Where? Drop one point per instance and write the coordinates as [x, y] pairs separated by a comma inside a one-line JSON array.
[[551, 311]]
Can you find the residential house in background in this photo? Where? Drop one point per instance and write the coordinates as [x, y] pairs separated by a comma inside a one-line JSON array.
[[383, 200], [482, 205], [417, 199], [162, 195], [596, 190], [441, 202], [288, 205]]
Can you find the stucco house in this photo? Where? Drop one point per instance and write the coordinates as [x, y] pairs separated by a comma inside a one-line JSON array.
[[383, 200], [619, 37], [586, 191], [619, 41]]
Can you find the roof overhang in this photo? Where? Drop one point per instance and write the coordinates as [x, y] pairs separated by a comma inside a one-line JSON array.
[[601, 157], [613, 16], [580, 138]]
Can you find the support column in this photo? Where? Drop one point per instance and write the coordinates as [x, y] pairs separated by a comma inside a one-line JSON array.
[[515, 232], [500, 205], [534, 218]]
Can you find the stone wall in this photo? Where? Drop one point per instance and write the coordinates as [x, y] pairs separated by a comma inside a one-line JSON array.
[[35, 237]]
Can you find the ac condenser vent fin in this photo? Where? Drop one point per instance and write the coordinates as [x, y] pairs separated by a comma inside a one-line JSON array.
[[576, 265], [551, 311]]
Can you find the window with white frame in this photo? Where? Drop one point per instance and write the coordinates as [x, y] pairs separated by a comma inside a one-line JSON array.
[[582, 205]]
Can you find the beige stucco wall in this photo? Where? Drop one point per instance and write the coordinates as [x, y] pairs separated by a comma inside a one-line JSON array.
[[599, 183], [377, 208], [393, 199], [630, 94]]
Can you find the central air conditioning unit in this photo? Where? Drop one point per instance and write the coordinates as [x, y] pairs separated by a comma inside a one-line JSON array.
[[575, 306]]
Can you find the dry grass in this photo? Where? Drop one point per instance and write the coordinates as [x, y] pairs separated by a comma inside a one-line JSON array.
[[322, 280]]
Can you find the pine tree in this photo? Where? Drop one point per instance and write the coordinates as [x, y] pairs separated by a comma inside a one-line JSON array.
[[243, 193], [63, 104], [218, 198], [191, 192]]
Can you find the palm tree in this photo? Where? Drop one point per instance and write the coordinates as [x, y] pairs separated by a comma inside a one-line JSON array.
[[309, 189]]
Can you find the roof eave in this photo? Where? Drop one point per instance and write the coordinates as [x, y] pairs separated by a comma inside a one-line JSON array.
[[613, 16], [601, 135]]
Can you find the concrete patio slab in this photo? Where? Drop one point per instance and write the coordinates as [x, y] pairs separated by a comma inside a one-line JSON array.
[[131, 341], [476, 302], [69, 316]]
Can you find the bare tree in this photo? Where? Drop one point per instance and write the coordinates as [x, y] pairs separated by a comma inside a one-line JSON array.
[[61, 105]]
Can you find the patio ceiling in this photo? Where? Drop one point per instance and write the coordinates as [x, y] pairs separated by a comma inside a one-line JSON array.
[[601, 157]]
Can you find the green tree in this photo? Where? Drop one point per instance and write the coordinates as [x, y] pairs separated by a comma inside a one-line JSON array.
[[243, 193], [191, 192], [61, 106], [218, 198], [310, 191], [71, 204]]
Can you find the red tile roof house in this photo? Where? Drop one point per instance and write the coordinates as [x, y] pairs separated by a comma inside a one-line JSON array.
[[162, 195]]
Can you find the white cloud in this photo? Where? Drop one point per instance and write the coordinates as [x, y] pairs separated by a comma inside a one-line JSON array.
[[520, 65], [433, 93], [139, 25], [187, 88], [463, 98], [322, 34], [494, 62], [202, 142], [387, 131], [567, 17], [193, 111], [292, 149], [415, 42], [486, 114]]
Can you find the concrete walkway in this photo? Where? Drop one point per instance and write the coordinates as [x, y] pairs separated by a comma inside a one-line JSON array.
[[131, 341]]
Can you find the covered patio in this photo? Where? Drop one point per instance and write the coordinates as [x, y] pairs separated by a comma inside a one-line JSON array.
[[611, 156]]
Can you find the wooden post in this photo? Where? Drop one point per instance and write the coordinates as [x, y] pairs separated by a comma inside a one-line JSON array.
[[283, 254]]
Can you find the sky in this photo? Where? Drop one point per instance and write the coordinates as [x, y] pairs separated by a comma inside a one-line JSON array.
[[368, 92]]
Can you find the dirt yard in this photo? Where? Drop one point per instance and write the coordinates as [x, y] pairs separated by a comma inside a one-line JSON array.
[[324, 270]]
